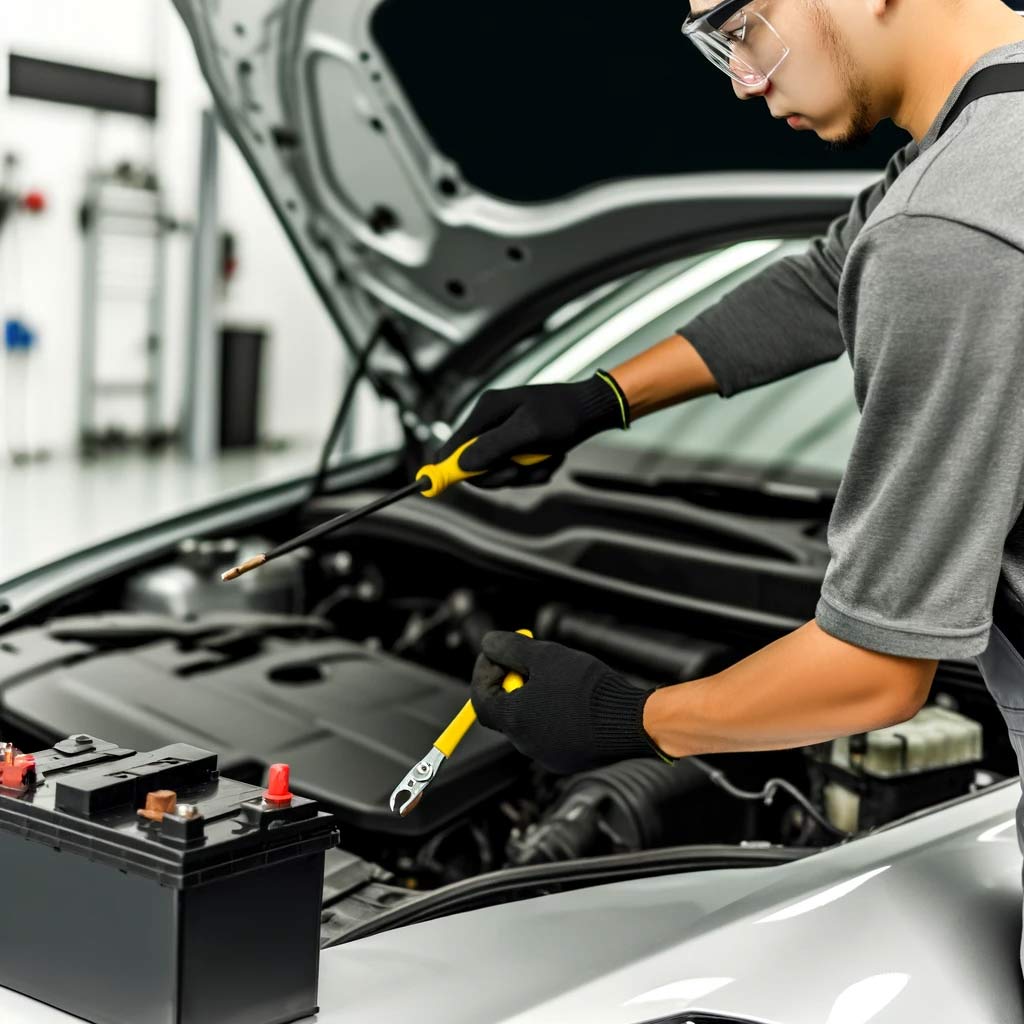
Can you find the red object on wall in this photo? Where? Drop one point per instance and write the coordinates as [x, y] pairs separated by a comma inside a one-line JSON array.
[[34, 202]]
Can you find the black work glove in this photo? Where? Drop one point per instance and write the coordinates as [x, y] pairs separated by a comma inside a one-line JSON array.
[[538, 419], [573, 713]]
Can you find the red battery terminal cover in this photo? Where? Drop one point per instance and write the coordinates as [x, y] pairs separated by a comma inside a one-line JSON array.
[[17, 770], [277, 794]]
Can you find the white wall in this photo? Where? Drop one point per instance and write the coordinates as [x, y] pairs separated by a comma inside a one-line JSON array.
[[40, 257]]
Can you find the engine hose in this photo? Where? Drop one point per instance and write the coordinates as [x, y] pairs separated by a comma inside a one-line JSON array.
[[767, 794], [623, 805], [659, 656]]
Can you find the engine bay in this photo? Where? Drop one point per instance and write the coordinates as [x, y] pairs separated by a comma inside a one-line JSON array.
[[348, 661]]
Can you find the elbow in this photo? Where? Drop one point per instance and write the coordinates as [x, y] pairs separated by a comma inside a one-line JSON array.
[[896, 710], [905, 692]]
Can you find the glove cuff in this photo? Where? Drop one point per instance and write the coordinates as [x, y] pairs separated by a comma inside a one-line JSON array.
[[602, 403], [624, 408], [617, 712]]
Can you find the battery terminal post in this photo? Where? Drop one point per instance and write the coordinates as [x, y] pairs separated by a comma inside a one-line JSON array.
[[17, 770], [158, 803], [277, 793]]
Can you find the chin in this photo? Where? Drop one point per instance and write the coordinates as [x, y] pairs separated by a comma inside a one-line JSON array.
[[850, 135], [848, 141]]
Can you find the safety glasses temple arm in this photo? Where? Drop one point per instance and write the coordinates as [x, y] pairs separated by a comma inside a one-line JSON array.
[[713, 18]]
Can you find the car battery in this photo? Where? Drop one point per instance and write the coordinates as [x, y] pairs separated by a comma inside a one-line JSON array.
[[143, 888]]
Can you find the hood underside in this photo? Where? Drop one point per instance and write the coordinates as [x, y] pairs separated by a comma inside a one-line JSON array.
[[388, 224]]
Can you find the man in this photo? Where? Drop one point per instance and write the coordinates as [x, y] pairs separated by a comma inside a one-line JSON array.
[[921, 283]]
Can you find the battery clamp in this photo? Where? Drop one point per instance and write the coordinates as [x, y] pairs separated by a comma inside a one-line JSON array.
[[144, 888]]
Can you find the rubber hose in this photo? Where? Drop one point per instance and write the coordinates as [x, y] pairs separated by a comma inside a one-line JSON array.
[[661, 657], [625, 803]]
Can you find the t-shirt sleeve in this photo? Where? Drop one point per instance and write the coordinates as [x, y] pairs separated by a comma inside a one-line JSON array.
[[784, 318], [935, 480]]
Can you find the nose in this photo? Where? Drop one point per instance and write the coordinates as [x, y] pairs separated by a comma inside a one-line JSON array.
[[748, 92]]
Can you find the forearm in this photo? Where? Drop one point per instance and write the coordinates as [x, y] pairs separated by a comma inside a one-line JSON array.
[[805, 687], [669, 372]]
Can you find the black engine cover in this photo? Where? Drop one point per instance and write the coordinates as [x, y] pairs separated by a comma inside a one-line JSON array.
[[349, 721]]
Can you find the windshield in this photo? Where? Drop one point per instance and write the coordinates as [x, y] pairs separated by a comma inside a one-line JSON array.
[[803, 424]]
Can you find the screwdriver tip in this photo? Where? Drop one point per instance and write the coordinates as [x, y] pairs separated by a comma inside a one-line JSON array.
[[252, 563]]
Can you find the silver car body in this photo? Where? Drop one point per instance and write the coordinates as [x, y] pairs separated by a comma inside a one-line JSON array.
[[918, 923]]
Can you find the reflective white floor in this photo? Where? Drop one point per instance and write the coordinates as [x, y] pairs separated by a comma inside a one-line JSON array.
[[49, 509]]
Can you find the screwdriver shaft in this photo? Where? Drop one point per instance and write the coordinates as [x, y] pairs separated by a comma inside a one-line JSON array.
[[329, 527], [344, 519]]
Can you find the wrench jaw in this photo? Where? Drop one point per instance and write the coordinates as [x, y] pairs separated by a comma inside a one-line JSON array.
[[408, 793], [403, 800]]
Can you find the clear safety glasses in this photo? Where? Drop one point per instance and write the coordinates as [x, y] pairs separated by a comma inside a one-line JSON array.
[[738, 39]]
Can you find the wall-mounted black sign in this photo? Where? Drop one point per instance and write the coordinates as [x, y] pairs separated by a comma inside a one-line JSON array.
[[84, 87]]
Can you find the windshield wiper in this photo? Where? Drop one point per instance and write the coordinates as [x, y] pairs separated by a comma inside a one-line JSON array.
[[733, 489]]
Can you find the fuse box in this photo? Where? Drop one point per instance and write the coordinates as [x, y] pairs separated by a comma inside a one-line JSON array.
[[143, 888]]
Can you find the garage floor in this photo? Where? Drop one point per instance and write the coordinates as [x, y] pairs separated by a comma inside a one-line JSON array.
[[49, 509]]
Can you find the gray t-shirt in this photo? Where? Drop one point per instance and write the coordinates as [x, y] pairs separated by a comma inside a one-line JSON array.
[[921, 283]]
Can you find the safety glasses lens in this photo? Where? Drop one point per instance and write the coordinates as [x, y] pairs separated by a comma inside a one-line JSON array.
[[746, 47]]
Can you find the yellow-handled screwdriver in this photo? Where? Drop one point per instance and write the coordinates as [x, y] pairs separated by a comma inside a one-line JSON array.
[[431, 480], [409, 791]]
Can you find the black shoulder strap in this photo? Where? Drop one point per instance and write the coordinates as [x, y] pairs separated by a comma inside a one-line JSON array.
[[995, 78]]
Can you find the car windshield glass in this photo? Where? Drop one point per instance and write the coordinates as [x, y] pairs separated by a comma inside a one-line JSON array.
[[803, 424]]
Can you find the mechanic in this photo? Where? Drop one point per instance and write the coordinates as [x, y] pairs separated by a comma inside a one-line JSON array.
[[921, 283]]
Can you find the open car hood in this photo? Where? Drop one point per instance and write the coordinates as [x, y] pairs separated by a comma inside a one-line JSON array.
[[328, 101]]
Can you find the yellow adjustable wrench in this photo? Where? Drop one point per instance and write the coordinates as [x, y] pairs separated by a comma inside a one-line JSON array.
[[409, 791]]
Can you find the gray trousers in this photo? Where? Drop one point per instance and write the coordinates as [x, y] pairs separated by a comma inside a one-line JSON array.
[[1002, 667]]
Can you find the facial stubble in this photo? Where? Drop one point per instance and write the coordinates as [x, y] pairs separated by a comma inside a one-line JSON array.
[[861, 124]]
